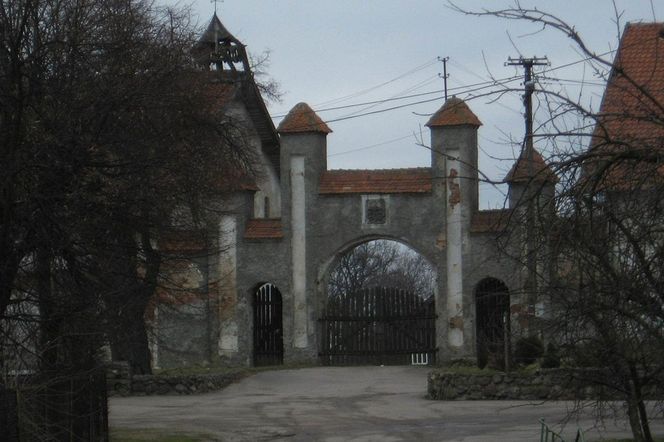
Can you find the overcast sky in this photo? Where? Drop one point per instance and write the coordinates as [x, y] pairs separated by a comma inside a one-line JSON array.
[[332, 53]]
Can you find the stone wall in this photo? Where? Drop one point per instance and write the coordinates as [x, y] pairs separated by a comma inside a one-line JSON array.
[[549, 384], [121, 382]]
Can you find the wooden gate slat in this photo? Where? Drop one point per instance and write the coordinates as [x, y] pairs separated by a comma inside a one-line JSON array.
[[268, 333], [377, 326]]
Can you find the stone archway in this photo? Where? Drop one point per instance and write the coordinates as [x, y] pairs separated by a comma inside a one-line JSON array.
[[492, 332], [388, 317], [268, 347]]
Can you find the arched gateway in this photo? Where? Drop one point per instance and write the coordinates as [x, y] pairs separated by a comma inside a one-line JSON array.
[[290, 223]]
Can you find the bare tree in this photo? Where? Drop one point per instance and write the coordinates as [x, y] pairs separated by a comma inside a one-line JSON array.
[[108, 128], [382, 263], [603, 228]]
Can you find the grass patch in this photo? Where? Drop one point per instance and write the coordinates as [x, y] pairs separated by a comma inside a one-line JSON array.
[[154, 435]]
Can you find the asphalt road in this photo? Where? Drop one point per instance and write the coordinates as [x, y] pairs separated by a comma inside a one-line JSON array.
[[349, 404]]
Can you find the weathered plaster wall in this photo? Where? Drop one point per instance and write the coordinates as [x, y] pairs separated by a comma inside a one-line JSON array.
[[486, 258], [412, 219], [262, 262], [318, 229]]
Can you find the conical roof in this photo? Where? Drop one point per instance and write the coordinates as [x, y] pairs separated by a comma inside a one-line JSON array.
[[455, 112], [522, 171], [302, 119], [216, 30]]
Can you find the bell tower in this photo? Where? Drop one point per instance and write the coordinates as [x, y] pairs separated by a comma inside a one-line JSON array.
[[219, 50]]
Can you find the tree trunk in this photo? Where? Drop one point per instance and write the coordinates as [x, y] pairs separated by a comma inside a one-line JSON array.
[[53, 421], [635, 422], [638, 396], [129, 341], [638, 420], [126, 308]]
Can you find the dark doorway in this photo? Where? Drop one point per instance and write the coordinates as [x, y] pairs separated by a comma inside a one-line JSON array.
[[268, 330], [379, 326], [492, 304]]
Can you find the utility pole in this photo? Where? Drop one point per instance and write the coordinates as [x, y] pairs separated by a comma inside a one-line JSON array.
[[445, 75], [528, 150], [529, 88]]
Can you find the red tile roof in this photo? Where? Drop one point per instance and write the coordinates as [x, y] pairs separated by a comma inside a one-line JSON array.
[[522, 169], [454, 112], [635, 91], [630, 126], [264, 228], [416, 180], [302, 119], [490, 220]]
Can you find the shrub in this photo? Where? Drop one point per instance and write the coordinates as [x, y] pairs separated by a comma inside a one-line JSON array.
[[528, 349], [482, 355], [551, 357]]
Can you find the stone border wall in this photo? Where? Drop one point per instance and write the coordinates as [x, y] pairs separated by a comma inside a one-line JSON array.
[[120, 382], [549, 384]]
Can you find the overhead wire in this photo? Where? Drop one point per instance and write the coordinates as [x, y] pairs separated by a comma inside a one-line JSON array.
[[373, 88], [475, 87], [405, 91], [438, 91], [404, 97], [382, 143], [405, 105]]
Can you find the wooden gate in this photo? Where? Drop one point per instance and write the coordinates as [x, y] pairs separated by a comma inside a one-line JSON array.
[[268, 331], [379, 326]]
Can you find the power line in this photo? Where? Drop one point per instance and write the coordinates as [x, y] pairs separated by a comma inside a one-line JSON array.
[[480, 86], [412, 88], [349, 117], [364, 91], [489, 82], [382, 143], [421, 94]]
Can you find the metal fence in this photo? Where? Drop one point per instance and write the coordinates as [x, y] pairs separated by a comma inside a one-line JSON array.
[[8, 415], [548, 435], [60, 408]]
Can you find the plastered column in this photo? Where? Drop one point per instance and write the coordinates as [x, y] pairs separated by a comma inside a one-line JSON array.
[[228, 334], [454, 155], [454, 256], [298, 252]]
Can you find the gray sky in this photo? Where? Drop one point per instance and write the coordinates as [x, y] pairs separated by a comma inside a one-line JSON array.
[[332, 53]]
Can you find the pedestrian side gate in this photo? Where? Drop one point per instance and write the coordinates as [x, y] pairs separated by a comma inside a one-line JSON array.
[[379, 326], [268, 330]]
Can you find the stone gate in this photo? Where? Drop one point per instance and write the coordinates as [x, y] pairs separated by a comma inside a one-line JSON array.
[[289, 227]]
